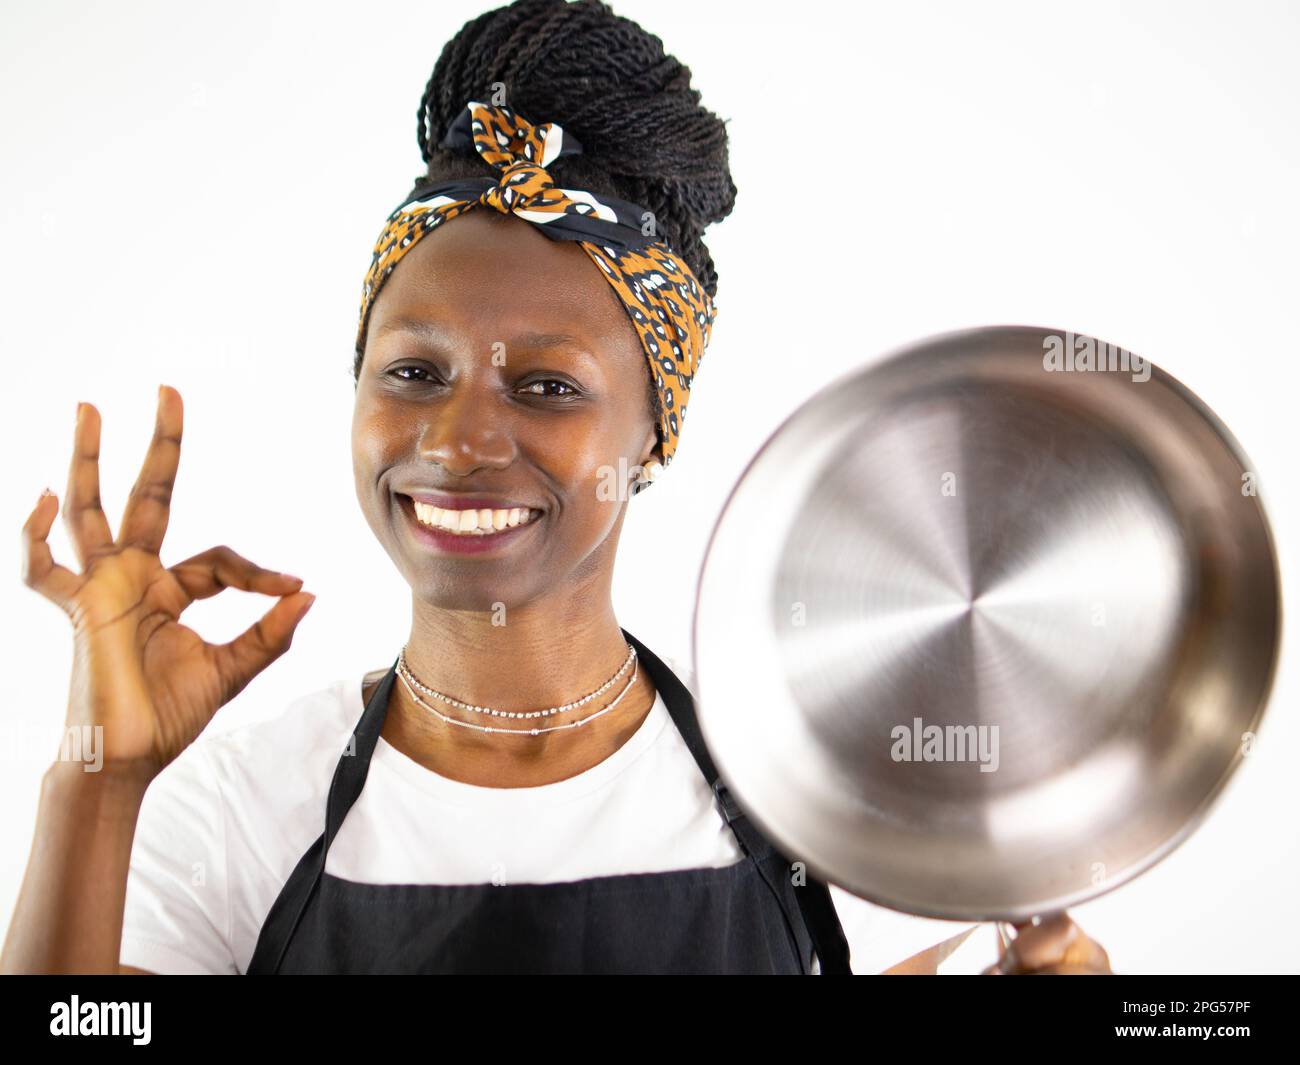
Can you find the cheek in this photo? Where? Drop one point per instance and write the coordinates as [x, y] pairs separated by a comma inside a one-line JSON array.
[[582, 450], [368, 435], [592, 464], [374, 438]]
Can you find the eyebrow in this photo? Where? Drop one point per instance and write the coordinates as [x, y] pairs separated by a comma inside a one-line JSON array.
[[431, 330]]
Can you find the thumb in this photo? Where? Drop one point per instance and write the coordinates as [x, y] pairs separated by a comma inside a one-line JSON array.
[[244, 657]]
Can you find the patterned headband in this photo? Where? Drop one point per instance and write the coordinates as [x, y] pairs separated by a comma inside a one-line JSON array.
[[670, 311]]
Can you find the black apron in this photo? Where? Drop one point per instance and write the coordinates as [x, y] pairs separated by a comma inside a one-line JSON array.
[[747, 917]]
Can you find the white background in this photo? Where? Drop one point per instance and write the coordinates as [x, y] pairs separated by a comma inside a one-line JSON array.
[[191, 194]]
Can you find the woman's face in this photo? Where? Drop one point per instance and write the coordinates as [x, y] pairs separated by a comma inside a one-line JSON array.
[[500, 363]]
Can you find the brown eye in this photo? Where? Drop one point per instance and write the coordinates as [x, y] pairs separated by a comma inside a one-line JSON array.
[[552, 381], [401, 371]]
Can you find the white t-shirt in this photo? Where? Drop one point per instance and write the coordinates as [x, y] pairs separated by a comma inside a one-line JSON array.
[[223, 826]]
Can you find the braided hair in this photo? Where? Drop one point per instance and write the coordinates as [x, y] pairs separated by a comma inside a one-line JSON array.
[[645, 137]]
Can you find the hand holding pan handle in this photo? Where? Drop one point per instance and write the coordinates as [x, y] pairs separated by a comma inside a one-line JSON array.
[[1048, 945]]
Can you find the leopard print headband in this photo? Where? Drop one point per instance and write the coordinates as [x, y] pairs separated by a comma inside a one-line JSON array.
[[669, 309]]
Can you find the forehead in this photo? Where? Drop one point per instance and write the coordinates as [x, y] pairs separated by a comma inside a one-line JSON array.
[[491, 275]]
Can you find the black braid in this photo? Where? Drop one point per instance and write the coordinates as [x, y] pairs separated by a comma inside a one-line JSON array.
[[644, 134]]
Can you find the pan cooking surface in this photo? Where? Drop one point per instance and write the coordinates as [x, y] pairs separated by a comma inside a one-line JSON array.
[[979, 639]]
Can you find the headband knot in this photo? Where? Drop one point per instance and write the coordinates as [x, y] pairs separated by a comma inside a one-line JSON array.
[[521, 152]]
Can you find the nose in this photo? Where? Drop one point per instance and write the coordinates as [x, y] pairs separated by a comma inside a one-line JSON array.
[[463, 432]]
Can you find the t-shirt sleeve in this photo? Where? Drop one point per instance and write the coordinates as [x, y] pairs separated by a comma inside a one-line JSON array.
[[177, 916]]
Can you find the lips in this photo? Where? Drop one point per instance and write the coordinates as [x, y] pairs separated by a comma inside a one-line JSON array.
[[462, 540]]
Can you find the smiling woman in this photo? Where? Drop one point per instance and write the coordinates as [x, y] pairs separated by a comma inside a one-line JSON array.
[[525, 788], [534, 314]]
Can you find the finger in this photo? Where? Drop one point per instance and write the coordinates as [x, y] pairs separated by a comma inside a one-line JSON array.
[[1086, 953], [218, 568], [144, 522], [264, 641], [83, 513], [1042, 944], [1056, 941], [40, 572]]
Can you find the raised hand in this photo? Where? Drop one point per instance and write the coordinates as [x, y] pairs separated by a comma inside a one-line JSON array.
[[151, 682]]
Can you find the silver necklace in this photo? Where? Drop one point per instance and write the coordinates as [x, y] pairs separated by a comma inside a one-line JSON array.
[[404, 668], [409, 680]]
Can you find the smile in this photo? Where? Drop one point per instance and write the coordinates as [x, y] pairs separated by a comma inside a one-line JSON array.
[[472, 522], [468, 532]]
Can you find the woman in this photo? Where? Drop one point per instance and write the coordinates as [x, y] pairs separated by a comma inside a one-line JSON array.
[[518, 377]]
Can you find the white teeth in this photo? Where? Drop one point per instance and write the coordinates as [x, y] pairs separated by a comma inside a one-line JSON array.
[[482, 522]]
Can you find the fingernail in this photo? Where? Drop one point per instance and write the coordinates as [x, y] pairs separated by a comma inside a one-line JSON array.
[[310, 599], [291, 577]]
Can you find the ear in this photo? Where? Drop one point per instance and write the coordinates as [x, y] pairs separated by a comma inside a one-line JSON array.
[[652, 449], [653, 452]]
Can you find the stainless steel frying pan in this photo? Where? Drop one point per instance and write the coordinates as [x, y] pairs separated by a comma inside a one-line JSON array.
[[983, 630]]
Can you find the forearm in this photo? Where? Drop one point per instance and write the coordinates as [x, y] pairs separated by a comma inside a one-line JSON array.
[[68, 918]]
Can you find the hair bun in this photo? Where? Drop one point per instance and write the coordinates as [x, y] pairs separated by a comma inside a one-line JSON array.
[[646, 137]]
